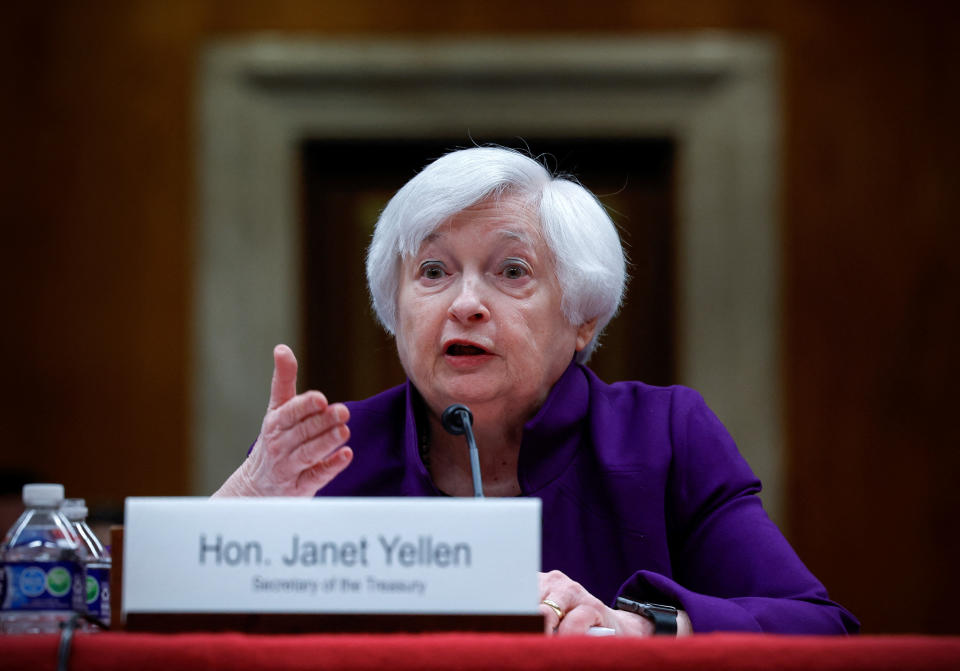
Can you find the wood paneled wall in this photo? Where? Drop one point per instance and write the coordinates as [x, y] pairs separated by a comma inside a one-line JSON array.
[[98, 214]]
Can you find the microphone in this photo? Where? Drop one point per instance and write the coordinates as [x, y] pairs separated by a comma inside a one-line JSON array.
[[458, 420]]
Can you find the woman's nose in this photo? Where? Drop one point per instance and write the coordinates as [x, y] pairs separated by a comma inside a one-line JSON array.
[[468, 304]]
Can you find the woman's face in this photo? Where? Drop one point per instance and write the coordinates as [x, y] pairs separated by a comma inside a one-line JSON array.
[[479, 314]]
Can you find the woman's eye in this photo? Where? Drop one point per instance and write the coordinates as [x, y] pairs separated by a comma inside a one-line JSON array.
[[514, 271], [431, 271]]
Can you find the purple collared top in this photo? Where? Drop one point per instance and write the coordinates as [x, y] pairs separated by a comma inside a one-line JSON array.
[[644, 495]]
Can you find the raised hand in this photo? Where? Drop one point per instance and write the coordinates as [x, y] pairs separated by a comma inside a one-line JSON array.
[[302, 440]]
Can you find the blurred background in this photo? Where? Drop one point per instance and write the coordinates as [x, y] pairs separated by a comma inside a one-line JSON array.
[[101, 203]]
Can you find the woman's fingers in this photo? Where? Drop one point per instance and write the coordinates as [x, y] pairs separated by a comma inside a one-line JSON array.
[[289, 427], [313, 451], [581, 618], [329, 427], [287, 454], [555, 596], [560, 589], [579, 610], [317, 476], [299, 449], [283, 386], [297, 409], [277, 471], [551, 620]]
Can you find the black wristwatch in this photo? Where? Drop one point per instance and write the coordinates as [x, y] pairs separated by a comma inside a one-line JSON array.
[[664, 618]]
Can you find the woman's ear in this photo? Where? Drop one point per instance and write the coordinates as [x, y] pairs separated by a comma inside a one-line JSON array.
[[585, 333]]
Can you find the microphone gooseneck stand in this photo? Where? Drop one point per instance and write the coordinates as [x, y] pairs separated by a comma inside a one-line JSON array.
[[458, 420]]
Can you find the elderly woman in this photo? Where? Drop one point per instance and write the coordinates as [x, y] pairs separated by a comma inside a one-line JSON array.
[[497, 279]]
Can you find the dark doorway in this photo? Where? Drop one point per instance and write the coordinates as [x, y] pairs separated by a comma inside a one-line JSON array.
[[347, 183]]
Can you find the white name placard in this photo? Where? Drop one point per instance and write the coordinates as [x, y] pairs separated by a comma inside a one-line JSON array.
[[331, 555]]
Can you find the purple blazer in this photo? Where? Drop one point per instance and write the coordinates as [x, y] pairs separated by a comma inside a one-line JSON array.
[[644, 495]]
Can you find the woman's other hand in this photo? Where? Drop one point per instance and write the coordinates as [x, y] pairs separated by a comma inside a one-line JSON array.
[[581, 611], [301, 444]]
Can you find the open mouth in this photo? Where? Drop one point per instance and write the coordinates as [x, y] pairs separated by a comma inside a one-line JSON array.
[[460, 349]]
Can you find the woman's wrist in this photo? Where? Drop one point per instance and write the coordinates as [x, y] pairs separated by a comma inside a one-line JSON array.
[[634, 624], [238, 484]]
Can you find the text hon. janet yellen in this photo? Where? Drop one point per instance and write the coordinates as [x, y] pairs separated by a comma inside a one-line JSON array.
[[497, 279]]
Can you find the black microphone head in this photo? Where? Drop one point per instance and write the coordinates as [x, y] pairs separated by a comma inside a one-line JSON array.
[[453, 418]]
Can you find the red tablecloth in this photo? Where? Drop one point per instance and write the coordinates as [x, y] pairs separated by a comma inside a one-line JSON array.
[[417, 652]]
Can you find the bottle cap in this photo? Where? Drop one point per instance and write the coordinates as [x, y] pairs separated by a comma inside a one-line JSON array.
[[42, 494], [74, 509]]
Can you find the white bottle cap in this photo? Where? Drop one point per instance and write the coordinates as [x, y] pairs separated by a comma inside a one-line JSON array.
[[74, 509], [42, 494]]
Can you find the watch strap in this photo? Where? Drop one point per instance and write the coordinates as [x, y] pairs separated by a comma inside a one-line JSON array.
[[664, 618]]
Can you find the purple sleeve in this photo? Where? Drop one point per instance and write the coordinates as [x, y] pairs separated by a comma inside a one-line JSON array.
[[724, 545]]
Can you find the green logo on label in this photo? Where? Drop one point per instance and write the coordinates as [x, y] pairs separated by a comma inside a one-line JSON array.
[[93, 589], [58, 581]]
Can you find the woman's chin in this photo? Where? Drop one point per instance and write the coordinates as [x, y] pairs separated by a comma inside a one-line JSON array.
[[475, 389], [469, 394]]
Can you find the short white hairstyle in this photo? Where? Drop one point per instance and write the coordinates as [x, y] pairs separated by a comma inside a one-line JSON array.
[[590, 263]]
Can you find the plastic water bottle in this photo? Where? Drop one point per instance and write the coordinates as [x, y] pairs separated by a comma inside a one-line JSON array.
[[97, 591], [42, 566]]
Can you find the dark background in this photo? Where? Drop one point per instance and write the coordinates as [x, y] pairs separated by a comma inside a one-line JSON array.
[[99, 202]]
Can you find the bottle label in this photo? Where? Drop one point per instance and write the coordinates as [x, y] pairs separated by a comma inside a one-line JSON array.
[[41, 586], [98, 592]]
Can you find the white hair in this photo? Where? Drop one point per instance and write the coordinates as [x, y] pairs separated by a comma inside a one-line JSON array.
[[590, 263]]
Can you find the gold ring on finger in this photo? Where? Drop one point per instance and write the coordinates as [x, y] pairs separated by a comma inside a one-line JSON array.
[[553, 605]]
